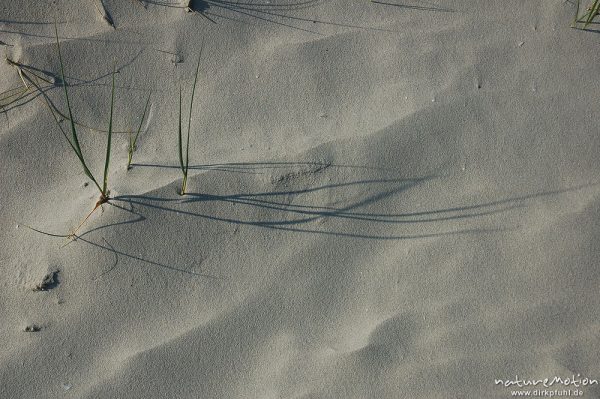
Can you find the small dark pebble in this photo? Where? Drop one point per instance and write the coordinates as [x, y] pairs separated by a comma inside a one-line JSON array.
[[32, 328]]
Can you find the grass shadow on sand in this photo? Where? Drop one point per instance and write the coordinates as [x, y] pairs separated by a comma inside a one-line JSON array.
[[297, 210], [41, 82], [300, 210], [428, 7], [277, 13], [106, 246], [258, 168], [292, 210]]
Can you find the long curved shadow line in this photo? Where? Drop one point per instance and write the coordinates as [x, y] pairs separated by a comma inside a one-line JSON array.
[[312, 231], [10, 22], [202, 9], [146, 201], [331, 212], [264, 14], [309, 216], [590, 30], [110, 248], [197, 167], [139, 218], [211, 197], [26, 98], [74, 39], [413, 7], [91, 82], [116, 252], [241, 11], [295, 5], [242, 167], [148, 261], [164, 4], [213, 20], [31, 95], [49, 74], [58, 81], [114, 266], [28, 94], [201, 5], [453, 213]]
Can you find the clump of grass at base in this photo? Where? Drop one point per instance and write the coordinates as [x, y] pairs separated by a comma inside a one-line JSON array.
[[184, 161], [588, 16], [74, 140], [133, 139]]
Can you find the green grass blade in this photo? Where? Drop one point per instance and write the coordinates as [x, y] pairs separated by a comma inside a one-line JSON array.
[[179, 135], [107, 160], [64, 81], [191, 107], [184, 183], [141, 122], [50, 108], [130, 151], [75, 141], [593, 11], [132, 139]]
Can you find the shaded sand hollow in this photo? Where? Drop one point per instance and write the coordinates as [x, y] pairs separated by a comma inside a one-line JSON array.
[[385, 201]]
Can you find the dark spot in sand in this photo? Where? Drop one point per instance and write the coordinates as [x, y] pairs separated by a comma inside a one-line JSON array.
[[49, 281], [32, 328]]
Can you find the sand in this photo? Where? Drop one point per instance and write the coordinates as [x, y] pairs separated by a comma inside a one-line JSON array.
[[385, 201]]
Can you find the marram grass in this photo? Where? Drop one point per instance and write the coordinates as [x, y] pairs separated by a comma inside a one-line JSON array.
[[73, 140]]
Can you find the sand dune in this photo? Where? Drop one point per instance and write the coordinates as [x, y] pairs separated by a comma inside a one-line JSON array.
[[386, 200]]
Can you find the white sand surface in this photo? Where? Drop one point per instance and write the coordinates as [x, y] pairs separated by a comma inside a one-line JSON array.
[[386, 200]]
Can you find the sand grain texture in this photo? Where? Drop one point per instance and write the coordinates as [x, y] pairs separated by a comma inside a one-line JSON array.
[[385, 201]]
